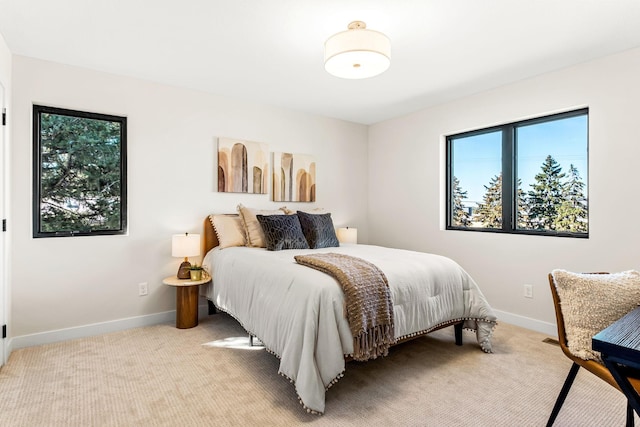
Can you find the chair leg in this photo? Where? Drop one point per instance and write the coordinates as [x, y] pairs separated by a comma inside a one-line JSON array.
[[630, 419], [563, 393]]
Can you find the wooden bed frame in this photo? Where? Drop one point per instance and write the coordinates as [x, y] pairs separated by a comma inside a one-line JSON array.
[[210, 241]]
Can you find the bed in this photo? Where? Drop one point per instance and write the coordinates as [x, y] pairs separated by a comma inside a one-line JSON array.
[[298, 313]]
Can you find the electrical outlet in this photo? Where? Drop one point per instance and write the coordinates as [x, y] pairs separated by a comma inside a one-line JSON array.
[[528, 291], [143, 289]]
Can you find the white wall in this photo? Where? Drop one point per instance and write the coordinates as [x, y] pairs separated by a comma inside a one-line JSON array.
[[407, 181], [61, 283], [70, 282], [5, 291]]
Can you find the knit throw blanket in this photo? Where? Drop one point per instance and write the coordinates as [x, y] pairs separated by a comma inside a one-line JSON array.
[[367, 297]]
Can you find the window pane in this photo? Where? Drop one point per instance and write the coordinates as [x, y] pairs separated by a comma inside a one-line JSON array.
[[523, 177], [80, 181], [476, 180], [551, 172]]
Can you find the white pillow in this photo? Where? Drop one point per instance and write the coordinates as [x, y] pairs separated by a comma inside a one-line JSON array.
[[252, 228], [590, 302], [229, 229]]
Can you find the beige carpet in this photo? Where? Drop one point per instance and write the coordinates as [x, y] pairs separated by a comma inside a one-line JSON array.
[[162, 376]]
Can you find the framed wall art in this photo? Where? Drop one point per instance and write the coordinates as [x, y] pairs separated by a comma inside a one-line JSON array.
[[294, 178], [243, 166]]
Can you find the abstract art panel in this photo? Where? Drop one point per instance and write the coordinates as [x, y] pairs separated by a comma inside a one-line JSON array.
[[243, 166], [294, 178]]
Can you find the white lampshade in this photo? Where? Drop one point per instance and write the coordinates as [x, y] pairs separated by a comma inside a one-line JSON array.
[[357, 53], [347, 235], [185, 245]]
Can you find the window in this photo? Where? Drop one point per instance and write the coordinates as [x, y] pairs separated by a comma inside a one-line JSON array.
[[528, 177], [79, 173]]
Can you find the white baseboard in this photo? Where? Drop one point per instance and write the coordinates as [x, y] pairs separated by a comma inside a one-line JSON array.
[[93, 329], [48, 337], [528, 323]]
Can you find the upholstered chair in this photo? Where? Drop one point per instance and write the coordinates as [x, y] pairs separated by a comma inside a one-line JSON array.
[[576, 294]]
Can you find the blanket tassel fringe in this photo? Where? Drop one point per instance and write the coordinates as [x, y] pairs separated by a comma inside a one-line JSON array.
[[373, 342]]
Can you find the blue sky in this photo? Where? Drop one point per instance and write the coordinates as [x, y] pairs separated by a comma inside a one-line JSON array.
[[478, 158]]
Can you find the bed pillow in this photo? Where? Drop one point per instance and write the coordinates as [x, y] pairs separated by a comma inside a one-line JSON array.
[[229, 230], [252, 228], [591, 302], [287, 211], [282, 232], [318, 230]]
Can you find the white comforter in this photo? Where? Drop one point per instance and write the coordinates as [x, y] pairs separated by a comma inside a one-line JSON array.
[[297, 312]]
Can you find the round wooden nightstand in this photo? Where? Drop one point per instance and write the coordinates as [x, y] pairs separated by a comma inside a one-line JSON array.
[[187, 293]]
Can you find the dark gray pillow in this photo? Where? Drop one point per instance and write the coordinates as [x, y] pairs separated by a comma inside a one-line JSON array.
[[318, 230], [282, 232]]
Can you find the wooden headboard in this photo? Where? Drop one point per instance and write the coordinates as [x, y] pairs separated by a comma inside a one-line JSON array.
[[210, 240]]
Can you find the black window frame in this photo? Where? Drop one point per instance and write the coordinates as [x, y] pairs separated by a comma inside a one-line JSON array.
[[509, 175], [38, 110]]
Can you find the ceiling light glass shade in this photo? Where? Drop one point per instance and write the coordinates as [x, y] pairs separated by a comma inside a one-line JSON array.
[[357, 53]]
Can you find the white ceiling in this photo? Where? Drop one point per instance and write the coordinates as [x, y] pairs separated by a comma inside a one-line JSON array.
[[271, 51]]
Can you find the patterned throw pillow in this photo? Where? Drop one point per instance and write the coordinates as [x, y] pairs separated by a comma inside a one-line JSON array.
[[282, 232], [318, 230], [591, 302], [253, 231]]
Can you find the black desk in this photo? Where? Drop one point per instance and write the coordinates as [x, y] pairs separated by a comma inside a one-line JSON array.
[[619, 345]]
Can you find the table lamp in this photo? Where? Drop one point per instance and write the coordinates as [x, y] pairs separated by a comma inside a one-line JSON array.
[[347, 235], [185, 245]]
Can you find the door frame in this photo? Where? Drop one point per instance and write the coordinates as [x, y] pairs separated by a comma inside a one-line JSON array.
[[3, 238]]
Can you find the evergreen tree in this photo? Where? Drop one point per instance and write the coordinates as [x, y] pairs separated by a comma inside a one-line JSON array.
[[461, 217], [572, 212], [523, 220], [546, 195], [489, 212], [80, 173]]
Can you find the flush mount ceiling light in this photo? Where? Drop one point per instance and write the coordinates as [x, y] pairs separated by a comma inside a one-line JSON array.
[[357, 53]]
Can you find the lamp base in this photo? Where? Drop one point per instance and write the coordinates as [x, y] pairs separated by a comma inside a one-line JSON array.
[[183, 271]]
